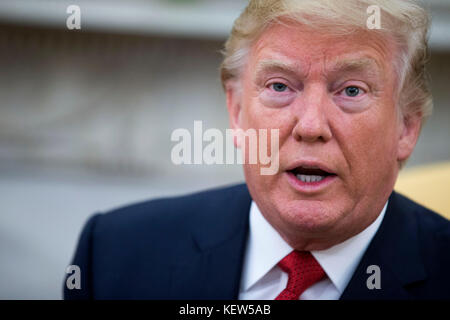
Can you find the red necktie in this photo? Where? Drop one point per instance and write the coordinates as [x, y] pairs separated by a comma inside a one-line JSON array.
[[303, 271]]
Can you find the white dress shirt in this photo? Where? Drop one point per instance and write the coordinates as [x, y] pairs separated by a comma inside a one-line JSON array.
[[262, 279]]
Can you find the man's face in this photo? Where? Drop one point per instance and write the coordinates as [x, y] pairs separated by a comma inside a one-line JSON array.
[[333, 101]]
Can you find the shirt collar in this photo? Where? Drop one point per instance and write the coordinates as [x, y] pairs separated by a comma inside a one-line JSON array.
[[265, 248]]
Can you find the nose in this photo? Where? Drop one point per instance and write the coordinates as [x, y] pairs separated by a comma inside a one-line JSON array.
[[310, 113]]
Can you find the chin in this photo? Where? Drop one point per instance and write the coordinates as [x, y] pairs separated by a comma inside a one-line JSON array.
[[311, 216]]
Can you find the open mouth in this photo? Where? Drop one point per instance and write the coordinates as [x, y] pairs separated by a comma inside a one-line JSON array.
[[310, 175]]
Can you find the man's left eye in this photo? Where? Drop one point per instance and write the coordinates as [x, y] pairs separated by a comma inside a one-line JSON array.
[[352, 91], [279, 87]]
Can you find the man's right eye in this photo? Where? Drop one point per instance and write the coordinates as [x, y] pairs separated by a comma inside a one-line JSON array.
[[279, 87]]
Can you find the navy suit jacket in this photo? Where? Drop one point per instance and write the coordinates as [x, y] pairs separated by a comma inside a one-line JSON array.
[[192, 247]]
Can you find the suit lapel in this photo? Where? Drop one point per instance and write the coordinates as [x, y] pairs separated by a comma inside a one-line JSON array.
[[213, 269], [395, 249]]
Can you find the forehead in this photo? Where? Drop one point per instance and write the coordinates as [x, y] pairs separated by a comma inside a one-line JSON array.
[[301, 48]]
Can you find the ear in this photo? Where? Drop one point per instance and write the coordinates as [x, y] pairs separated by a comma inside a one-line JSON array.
[[409, 134], [234, 106]]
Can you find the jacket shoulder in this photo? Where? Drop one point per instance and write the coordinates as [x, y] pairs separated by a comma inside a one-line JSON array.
[[118, 249], [429, 221], [434, 237]]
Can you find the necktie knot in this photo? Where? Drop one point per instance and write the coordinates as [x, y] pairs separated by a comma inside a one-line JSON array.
[[303, 271]]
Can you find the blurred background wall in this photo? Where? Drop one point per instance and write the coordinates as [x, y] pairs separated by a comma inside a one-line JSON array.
[[86, 117]]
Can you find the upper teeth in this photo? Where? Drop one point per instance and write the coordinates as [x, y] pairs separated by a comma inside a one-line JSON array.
[[309, 178]]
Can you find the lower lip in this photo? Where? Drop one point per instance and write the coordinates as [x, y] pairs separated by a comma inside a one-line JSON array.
[[310, 187]]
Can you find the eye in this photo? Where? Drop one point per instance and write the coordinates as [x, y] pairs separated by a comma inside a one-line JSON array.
[[353, 96], [279, 87], [352, 91]]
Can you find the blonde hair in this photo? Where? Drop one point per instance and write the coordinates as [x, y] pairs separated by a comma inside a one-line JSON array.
[[404, 21]]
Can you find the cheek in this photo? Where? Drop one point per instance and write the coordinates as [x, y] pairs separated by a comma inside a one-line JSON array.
[[369, 146], [257, 115]]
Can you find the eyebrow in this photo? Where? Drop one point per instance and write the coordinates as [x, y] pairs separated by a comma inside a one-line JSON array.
[[276, 65], [368, 65]]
